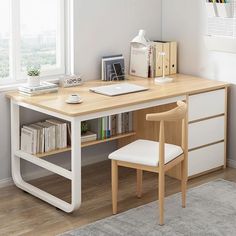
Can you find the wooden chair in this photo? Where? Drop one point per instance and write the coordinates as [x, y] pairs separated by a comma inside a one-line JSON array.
[[158, 157]]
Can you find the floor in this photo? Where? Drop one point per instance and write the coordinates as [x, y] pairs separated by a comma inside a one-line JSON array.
[[23, 214]]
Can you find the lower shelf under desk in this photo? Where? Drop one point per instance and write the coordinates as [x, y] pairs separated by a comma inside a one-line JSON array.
[[86, 144]]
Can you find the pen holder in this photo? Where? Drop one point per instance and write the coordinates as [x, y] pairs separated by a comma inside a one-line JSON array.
[[211, 9], [224, 10]]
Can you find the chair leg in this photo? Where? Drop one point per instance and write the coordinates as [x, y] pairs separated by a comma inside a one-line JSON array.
[[139, 183], [183, 182], [114, 185], [161, 193]]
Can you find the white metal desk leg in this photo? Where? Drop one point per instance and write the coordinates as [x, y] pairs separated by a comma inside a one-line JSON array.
[[15, 143], [76, 163]]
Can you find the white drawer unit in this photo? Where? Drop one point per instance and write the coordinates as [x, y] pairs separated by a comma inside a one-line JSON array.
[[206, 132], [207, 158], [207, 104]]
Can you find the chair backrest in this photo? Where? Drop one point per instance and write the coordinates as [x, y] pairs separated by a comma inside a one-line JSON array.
[[176, 114]]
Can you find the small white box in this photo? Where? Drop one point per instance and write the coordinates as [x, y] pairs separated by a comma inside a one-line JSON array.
[[211, 9], [224, 10]]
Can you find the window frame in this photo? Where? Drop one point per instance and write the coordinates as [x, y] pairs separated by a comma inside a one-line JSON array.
[[16, 75]]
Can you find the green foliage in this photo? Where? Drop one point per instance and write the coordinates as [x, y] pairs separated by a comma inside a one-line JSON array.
[[84, 127], [33, 52], [33, 70]]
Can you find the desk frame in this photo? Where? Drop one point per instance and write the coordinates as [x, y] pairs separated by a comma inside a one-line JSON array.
[[75, 174]]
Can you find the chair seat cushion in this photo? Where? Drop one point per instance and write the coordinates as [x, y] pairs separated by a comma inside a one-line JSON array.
[[145, 152]]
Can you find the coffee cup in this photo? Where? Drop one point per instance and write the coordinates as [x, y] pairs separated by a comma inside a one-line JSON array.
[[74, 98]]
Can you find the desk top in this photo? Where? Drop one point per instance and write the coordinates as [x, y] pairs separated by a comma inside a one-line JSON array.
[[92, 102]]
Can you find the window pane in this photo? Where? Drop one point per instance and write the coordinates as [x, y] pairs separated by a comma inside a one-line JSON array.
[[4, 38], [39, 30]]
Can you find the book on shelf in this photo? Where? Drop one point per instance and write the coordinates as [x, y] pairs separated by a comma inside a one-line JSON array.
[[44, 136], [44, 88], [88, 137], [40, 137], [61, 132], [27, 141], [119, 124], [109, 126], [53, 134]]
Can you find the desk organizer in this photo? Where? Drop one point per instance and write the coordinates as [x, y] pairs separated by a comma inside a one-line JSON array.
[[225, 9], [211, 9], [221, 26], [220, 9]]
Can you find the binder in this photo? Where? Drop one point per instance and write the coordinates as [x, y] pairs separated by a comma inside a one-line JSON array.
[[173, 58], [166, 50], [158, 59]]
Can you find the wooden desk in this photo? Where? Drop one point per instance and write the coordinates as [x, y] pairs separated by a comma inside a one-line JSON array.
[[206, 149]]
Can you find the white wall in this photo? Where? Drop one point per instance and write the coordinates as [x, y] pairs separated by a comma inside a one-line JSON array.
[[102, 28], [185, 22], [106, 27]]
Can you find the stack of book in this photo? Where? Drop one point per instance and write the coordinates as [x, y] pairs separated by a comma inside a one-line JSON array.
[[146, 62], [113, 68], [45, 87], [88, 137], [44, 136], [109, 126]]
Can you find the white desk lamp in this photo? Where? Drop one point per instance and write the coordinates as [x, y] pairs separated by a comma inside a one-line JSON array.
[[163, 79], [140, 40]]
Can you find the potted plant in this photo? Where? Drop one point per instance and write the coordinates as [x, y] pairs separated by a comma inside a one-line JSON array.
[[33, 73], [84, 127]]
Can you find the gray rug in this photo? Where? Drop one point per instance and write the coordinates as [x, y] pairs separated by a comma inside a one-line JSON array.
[[211, 210]]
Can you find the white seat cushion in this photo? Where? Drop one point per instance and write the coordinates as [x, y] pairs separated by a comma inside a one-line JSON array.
[[145, 152]]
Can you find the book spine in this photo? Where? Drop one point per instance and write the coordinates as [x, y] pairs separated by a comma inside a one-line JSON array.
[[119, 123], [126, 122], [64, 135], [43, 140], [113, 125], [46, 138], [69, 134], [108, 126], [130, 121], [53, 137], [98, 128], [34, 144], [122, 123], [103, 128]]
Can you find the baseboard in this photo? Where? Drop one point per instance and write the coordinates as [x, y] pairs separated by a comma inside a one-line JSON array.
[[231, 163], [9, 181], [6, 182]]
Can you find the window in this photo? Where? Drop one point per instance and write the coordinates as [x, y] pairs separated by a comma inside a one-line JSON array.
[[31, 33], [4, 39]]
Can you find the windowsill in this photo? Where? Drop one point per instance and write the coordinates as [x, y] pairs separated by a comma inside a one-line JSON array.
[[14, 86]]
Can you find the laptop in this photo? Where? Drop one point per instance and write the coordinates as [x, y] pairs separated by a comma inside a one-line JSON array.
[[118, 89]]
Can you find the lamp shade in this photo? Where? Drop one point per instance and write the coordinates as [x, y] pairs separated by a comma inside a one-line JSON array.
[[140, 39]]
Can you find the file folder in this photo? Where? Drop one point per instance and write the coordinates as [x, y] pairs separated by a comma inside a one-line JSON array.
[[173, 58], [158, 61], [166, 50]]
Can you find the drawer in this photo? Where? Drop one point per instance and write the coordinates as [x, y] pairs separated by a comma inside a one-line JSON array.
[[206, 132], [205, 159], [206, 104]]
